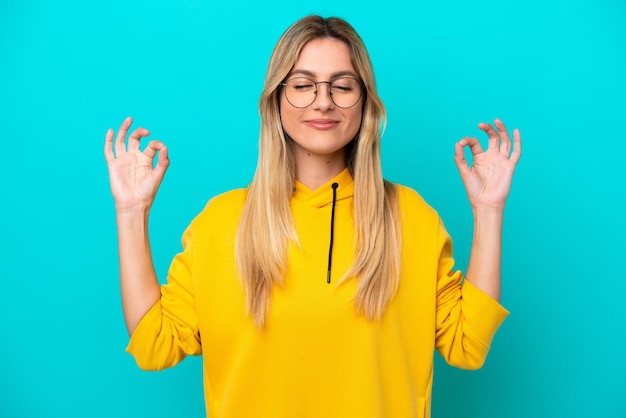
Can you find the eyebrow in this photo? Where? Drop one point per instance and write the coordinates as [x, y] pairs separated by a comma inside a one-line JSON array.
[[333, 75]]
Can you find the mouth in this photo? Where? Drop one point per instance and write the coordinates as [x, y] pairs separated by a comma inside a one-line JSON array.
[[321, 124]]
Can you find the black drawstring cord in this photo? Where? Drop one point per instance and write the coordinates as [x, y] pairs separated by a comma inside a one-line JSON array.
[[332, 231]]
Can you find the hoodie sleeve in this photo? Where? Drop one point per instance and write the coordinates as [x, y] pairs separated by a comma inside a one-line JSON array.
[[466, 317], [169, 330]]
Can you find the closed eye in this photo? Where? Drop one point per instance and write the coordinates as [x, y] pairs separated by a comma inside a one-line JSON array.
[[343, 89]]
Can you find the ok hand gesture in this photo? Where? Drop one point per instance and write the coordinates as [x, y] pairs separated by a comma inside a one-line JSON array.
[[488, 181], [134, 181]]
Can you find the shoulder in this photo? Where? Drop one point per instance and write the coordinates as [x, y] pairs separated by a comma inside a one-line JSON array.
[[222, 209], [413, 204], [421, 224], [419, 220], [232, 199]]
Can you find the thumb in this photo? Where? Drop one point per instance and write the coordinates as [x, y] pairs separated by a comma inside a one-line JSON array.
[[163, 162], [460, 161]]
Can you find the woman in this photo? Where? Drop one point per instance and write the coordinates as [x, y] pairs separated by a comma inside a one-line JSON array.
[[321, 289]]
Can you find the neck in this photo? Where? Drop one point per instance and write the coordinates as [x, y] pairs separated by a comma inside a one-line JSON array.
[[316, 170]]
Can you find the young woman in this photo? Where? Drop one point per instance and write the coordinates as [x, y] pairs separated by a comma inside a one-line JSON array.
[[320, 290]]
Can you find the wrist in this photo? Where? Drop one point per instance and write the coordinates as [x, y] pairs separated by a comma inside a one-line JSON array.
[[132, 212], [488, 212], [488, 218]]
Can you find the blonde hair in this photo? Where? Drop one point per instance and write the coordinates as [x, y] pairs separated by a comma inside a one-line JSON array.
[[266, 226]]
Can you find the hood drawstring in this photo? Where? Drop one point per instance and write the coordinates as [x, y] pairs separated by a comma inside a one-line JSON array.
[[332, 231]]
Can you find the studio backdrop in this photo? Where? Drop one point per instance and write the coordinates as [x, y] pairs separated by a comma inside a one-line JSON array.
[[192, 71]]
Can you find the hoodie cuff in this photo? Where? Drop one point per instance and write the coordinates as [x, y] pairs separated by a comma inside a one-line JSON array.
[[483, 314]]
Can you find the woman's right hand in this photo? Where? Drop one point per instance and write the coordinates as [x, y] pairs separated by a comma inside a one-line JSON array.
[[134, 181]]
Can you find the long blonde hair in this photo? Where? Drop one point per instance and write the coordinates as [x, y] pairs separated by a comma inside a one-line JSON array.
[[266, 226]]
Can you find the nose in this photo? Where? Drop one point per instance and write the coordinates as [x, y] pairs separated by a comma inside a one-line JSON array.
[[323, 96]]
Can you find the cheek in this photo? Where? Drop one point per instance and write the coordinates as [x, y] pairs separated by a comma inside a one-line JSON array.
[[288, 117], [355, 120]]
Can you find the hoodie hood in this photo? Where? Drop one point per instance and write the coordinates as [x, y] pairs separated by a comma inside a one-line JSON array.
[[335, 192], [323, 195]]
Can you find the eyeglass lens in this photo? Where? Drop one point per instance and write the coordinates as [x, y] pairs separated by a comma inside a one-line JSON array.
[[344, 91]]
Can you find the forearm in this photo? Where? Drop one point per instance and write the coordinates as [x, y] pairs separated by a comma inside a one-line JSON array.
[[484, 269], [138, 282]]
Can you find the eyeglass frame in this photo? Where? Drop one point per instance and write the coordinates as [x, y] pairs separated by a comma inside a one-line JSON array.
[[330, 91]]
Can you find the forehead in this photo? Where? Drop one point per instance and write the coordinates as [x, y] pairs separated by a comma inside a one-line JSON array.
[[324, 57]]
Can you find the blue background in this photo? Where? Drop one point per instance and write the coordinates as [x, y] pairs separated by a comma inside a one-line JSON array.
[[192, 70]]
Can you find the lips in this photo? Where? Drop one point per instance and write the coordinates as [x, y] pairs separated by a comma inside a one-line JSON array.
[[321, 124]]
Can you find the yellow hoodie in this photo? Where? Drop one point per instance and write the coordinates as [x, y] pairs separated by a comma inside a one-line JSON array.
[[316, 357]]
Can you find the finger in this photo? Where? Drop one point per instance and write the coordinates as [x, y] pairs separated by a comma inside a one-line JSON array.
[[505, 145], [152, 148], [460, 161], [517, 146], [472, 143], [135, 138], [162, 163], [459, 154], [120, 148], [108, 146], [494, 139]]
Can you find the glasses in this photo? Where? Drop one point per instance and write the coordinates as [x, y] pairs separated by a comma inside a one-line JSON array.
[[301, 92]]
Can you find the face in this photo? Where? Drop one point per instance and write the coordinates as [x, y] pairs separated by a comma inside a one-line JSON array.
[[321, 129]]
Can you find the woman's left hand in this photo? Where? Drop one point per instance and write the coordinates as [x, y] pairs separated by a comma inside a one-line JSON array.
[[488, 180]]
